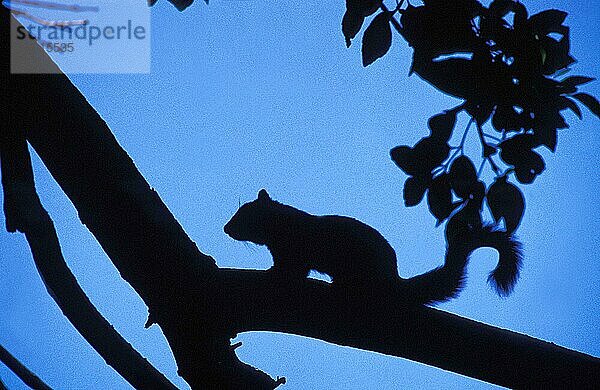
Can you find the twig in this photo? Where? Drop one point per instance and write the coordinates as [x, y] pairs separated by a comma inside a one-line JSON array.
[[487, 150], [459, 149], [28, 377], [54, 6], [393, 20]]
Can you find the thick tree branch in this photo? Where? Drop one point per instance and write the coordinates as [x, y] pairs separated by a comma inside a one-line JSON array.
[[128, 218], [28, 377], [199, 307], [25, 213], [377, 321]]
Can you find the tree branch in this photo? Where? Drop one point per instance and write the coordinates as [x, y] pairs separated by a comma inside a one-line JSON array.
[[377, 321], [25, 213], [28, 377]]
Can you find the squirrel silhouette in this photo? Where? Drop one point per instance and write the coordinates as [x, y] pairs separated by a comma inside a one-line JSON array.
[[354, 254]]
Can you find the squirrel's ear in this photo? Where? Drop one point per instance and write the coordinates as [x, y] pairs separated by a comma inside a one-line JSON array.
[[263, 195]]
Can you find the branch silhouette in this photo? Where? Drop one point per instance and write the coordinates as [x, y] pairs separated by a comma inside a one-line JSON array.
[[28, 377], [25, 213], [200, 307]]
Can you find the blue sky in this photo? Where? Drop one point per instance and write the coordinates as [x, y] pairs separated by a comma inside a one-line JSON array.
[[244, 95]]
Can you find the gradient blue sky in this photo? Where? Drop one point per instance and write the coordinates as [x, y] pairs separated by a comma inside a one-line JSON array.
[[246, 95]]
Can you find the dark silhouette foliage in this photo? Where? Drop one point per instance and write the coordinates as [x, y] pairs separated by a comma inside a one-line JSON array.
[[508, 67], [377, 39]]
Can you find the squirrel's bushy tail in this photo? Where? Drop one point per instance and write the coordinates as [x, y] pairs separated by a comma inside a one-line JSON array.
[[445, 282], [506, 273]]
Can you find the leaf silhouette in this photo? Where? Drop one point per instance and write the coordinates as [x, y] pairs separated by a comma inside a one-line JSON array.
[[463, 176], [439, 197], [513, 148], [429, 153], [547, 21], [480, 112], [377, 39], [517, 151], [507, 118], [547, 136], [354, 17], [455, 76], [565, 103], [351, 25], [363, 7], [589, 101], [441, 125], [403, 156], [506, 201], [571, 83], [555, 54], [440, 27], [528, 167], [414, 190]]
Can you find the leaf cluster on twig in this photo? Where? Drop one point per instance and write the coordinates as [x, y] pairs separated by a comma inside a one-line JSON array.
[[505, 64]]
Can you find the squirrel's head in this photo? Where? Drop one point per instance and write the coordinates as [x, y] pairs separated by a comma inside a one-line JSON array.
[[251, 220]]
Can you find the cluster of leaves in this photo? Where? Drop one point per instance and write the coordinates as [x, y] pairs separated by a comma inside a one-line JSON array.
[[504, 64], [451, 181]]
